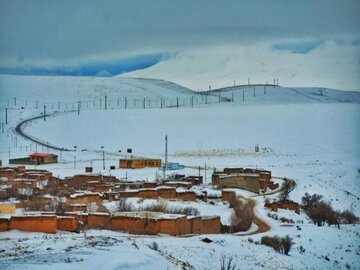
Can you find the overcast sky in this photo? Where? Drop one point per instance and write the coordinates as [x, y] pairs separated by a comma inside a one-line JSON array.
[[63, 33]]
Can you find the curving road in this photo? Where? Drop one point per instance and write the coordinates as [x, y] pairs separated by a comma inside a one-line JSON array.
[[19, 130]]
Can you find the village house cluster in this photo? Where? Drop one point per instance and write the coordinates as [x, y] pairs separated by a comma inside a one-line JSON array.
[[77, 203]]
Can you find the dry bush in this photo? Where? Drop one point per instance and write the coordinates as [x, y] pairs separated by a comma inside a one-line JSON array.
[[309, 201], [163, 206], [189, 211], [160, 206], [323, 213], [154, 246], [234, 201], [286, 244], [124, 206], [348, 217], [227, 263], [242, 217], [282, 244], [287, 187], [273, 242], [61, 208]]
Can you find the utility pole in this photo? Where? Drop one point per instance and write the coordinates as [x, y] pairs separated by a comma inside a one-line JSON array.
[[254, 91], [192, 102], [177, 102], [161, 103], [232, 96], [44, 112], [205, 174], [6, 116], [78, 107], [105, 102], [166, 157], [125, 102]]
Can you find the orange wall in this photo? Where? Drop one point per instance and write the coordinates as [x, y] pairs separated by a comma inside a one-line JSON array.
[[167, 193], [67, 224], [46, 224], [226, 196], [97, 221], [211, 226], [4, 224], [186, 196]]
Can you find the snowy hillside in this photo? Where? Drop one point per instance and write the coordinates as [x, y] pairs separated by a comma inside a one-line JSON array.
[[219, 67]]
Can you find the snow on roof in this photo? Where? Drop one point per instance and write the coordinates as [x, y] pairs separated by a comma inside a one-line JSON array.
[[149, 215], [84, 194]]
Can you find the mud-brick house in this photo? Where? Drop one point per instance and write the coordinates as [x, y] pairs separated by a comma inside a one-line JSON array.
[[36, 159], [43, 158], [138, 163]]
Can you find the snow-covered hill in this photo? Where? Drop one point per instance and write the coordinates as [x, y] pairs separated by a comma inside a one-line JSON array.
[[219, 67]]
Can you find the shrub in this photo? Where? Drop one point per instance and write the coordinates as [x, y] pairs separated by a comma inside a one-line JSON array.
[[323, 212], [309, 201], [242, 217], [226, 263], [287, 187], [154, 246], [124, 206], [273, 242], [282, 244], [286, 244], [163, 206], [348, 217], [61, 208]]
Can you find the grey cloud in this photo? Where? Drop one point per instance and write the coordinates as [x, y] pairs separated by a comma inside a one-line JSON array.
[[69, 31]]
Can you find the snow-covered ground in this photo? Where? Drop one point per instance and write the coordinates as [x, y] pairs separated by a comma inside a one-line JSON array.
[[309, 134]]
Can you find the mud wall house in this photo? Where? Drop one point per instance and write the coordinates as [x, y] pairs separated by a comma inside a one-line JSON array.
[[194, 180], [166, 193], [45, 224], [289, 205], [227, 195], [139, 163], [186, 195], [177, 184], [86, 180], [250, 182], [83, 198]]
